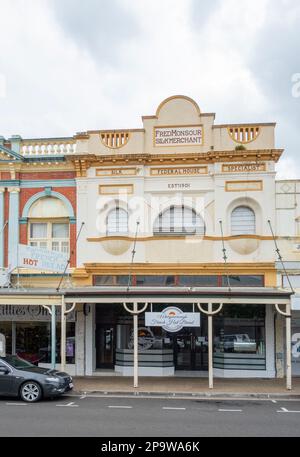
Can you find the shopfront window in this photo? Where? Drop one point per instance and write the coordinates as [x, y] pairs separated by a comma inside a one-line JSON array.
[[33, 342], [239, 337], [6, 330]]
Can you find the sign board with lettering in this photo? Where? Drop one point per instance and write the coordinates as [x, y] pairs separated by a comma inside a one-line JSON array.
[[41, 259], [172, 319], [116, 171], [179, 171], [243, 167], [185, 135], [19, 313]]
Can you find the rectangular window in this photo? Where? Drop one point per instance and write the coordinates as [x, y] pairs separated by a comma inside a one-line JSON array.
[[239, 338], [53, 236], [197, 281], [33, 341], [119, 280], [155, 281], [244, 281]]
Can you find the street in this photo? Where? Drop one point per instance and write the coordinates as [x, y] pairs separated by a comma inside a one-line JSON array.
[[149, 417]]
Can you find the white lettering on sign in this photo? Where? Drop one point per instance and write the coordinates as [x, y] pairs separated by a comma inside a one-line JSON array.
[[41, 259], [187, 135], [172, 319]]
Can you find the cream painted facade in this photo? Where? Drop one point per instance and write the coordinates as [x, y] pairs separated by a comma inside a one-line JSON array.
[[212, 177], [176, 214]]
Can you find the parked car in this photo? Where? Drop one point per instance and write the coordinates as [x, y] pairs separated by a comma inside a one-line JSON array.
[[21, 378], [239, 343]]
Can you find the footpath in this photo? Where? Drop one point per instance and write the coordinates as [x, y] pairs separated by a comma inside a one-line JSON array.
[[186, 387]]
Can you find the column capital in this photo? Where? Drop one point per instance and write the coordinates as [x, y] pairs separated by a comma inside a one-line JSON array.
[[14, 190]]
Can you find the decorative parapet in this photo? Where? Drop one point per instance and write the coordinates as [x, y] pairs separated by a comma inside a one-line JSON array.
[[48, 147]]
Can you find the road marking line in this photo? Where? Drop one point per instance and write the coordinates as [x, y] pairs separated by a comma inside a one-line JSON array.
[[83, 396], [70, 405], [17, 404], [176, 409], [122, 407], [284, 410], [230, 410], [274, 401]]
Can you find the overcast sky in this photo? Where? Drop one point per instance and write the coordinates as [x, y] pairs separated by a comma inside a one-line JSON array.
[[73, 65]]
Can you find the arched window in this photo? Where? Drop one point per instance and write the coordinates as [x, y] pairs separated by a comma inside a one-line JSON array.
[[179, 220], [49, 225], [243, 221], [117, 221]]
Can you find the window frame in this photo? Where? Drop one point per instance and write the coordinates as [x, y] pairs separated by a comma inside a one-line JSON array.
[[49, 240]]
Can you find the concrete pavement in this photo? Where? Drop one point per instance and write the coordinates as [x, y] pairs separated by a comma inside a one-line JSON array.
[[180, 386]]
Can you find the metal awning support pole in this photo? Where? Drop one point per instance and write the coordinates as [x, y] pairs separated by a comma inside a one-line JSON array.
[[287, 314], [288, 349], [135, 348], [63, 335], [210, 313], [210, 349], [135, 312], [53, 337]]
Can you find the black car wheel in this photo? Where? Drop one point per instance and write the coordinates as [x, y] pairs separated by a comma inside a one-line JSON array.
[[31, 392]]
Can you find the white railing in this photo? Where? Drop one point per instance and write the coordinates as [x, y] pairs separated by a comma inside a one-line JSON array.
[[48, 147]]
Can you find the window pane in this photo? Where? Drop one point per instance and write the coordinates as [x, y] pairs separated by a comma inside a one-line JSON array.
[[38, 230], [43, 245], [179, 220], [60, 230], [152, 280], [244, 281], [65, 247], [243, 221], [198, 281], [117, 221], [55, 246]]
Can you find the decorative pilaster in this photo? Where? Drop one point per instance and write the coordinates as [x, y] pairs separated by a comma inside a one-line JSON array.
[[13, 227], [2, 223]]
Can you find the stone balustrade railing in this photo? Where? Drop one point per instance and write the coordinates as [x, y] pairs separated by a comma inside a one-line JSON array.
[[55, 147]]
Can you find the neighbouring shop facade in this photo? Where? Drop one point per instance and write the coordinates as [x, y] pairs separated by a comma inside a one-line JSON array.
[[175, 212]]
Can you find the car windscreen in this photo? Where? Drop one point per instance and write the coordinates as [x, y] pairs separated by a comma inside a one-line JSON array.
[[17, 362]]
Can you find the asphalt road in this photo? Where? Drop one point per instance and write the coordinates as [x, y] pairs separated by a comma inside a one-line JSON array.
[[149, 417]]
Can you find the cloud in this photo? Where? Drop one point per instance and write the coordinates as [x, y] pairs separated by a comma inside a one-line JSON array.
[[100, 27], [276, 60], [71, 66]]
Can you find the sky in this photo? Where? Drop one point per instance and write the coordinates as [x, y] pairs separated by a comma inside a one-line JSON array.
[[68, 66]]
